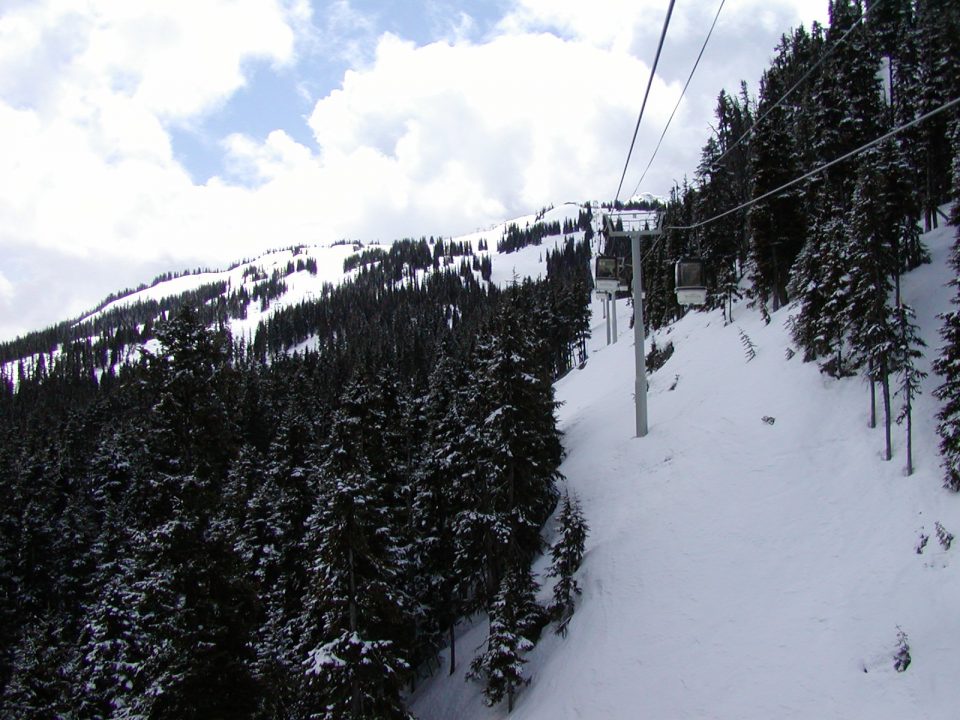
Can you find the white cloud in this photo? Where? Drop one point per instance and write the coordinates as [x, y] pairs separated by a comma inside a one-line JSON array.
[[89, 90], [529, 116], [6, 289], [619, 24], [416, 140]]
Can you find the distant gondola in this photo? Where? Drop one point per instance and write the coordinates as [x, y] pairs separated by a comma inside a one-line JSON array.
[[607, 276], [690, 281]]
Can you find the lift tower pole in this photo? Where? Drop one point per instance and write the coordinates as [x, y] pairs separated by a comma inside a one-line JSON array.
[[637, 225], [639, 338]]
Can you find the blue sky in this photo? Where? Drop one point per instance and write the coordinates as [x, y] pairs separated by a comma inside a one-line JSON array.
[[146, 137]]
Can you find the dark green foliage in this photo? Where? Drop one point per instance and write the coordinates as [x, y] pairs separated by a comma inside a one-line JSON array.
[[903, 358], [355, 605], [947, 365], [948, 428], [777, 224], [500, 666], [567, 554], [515, 238]]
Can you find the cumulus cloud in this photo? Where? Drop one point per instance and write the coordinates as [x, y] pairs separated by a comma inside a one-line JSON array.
[[6, 289], [428, 138], [89, 91]]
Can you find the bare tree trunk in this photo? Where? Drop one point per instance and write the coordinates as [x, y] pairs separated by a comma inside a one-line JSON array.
[[453, 642], [885, 389], [356, 700], [909, 433]]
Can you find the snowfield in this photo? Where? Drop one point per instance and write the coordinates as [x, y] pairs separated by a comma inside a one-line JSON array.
[[738, 568]]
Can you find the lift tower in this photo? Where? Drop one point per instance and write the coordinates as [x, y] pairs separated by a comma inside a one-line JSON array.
[[636, 224]]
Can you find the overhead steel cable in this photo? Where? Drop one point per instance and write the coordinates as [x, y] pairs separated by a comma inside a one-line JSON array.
[[679, 99], [820, 168], [646, 95]]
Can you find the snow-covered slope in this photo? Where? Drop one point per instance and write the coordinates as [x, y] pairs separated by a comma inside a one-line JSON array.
[[741, 569], [328, 262]]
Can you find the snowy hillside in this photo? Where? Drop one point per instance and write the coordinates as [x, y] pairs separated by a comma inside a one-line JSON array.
[[742, 568], [301, 274]]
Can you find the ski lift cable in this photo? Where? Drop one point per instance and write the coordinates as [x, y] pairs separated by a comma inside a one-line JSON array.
[[820, 168], [646, 95], [797, 84], [679, 99]]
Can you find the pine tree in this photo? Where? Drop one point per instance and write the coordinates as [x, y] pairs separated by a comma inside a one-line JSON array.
[[847, 109], [354, 607], [869, 316], [778, 224], [567, 554], [514, 449], [500, 666], [906, 353], [938, 53], [438, 498], [189, 610], [947, 365]]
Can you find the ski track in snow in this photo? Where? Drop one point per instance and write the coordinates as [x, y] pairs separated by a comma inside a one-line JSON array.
[[739, 569]]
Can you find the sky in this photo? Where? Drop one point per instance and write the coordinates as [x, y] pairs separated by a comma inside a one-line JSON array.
[[141, 138]]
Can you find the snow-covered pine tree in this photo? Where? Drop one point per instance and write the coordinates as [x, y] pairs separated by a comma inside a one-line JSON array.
[[512, 449], [903, 363], [43, 668], [354, 607], [190, 609], [437, 499], [715, 242], [847, 109], [947, 364], [892, 25], [500, 666], [567, 554], [818, 282], [873, 231], [777, 224], [938, 55], [269, 541]]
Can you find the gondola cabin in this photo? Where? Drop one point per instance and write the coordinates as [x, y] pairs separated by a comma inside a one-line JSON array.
[[606, 278], [690, 281]]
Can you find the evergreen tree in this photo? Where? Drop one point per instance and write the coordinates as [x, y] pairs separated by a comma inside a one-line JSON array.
[[500, 666], [355, 608], [906, 353], [515, 450], [567, 554], [947, 365], [777, 224], [190, 611], [869, 316], [438, 499], [848, 108]]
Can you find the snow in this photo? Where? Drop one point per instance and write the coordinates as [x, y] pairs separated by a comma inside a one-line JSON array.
[[737, 568]]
